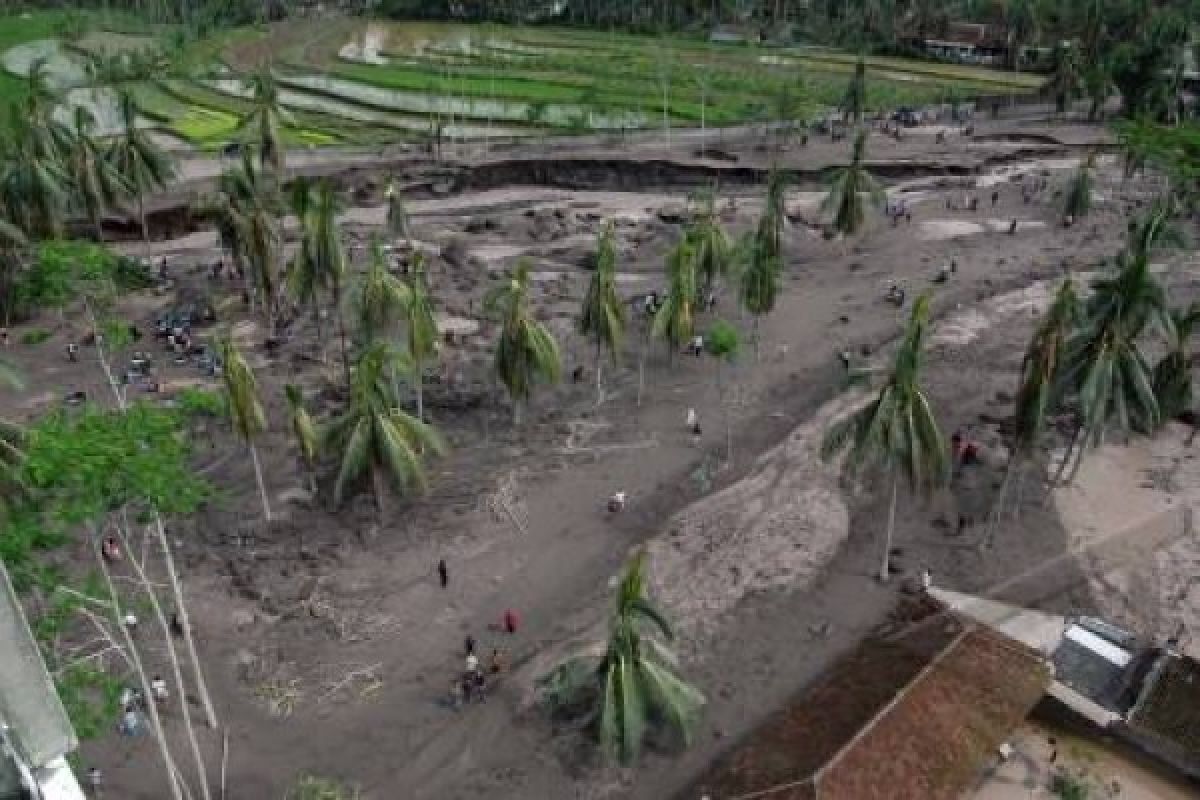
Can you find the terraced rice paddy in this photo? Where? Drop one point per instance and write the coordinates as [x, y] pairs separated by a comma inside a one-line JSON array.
[[358, 82]]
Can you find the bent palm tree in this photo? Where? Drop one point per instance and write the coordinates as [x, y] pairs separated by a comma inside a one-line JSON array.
[[896, 432], [635, 684], [850, 183], [144, 165], [97, 185], [373, 436], [1036, 396], [1104, 368], [266, 120], [603, 316], [245, 410], [304, 430], [33, 185], [526, 352]]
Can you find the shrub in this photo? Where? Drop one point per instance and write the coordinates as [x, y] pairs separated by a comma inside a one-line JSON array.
[[35, 336]]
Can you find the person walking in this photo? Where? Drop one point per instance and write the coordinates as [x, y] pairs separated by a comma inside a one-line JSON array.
[[469, 644], [511, 621], [443, 573], [472, 663], [95, 781]]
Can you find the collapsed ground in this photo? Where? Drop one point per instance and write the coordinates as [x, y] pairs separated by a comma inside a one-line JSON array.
[[769, 579]]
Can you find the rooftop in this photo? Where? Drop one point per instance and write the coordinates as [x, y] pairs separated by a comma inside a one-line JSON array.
[[909, 715]]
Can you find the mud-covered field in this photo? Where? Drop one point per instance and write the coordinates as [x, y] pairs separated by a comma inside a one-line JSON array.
[[765, 560]]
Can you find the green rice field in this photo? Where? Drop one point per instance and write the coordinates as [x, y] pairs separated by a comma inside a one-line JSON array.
[[359, 82]]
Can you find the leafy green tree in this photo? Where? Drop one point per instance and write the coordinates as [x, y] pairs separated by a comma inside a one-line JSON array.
[[526, 351], [1079, 193], [602, 316], [421, 330], [854, 102], [1097, 84], [96, 184], [373, 436], [850, 183], [266, 120], [137, 157], [675, 320], [635, 685], [1140, 62], [305, 432], [245, 409], [896, 433], [1172, 377]]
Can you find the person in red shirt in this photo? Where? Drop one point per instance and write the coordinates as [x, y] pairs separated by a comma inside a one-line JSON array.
[[511, 621]]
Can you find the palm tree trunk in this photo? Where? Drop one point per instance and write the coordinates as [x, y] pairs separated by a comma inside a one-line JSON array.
[[181, 608], [262, 486], [885, 569], [1083, 447], [1066, 458], [599, 375], [337, 299], [176, 670], [135, 660], [141, 203], [998, 504], [642, 368], [517, 412], [379, 491], [420, 388], [97, 227]]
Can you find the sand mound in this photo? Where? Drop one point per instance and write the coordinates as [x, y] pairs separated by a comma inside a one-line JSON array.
[[774, 530]]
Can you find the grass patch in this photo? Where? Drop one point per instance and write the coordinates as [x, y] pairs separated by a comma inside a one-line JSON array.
[[35, 336]]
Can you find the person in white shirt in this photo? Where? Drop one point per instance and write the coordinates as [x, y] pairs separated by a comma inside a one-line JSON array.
[[472, 662]]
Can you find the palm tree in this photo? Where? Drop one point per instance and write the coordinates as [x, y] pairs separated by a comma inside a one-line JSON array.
[[33, 185], [374, 437], [1020, 17], [245, 410], [1105, 370], [134, 155], [896, 432], [397, 216], [1172, 378], [97, 185], [378, 299], [674, 322], [421, 328], [713, 252], [1065, 79], [1097, 84], [266, 120], [13, 245], [770, 225], [635, 683], [849, 184], [248, 207], [854, 102], [1079, 194], [1036, 397], [305, 432], [602, 315], [760, 282], [323, 241], [526, 351]]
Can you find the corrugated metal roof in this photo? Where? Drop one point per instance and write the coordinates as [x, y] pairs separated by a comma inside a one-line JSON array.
[[29, 703]]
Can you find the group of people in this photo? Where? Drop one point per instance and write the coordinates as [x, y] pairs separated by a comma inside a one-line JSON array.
[[472, 686]]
